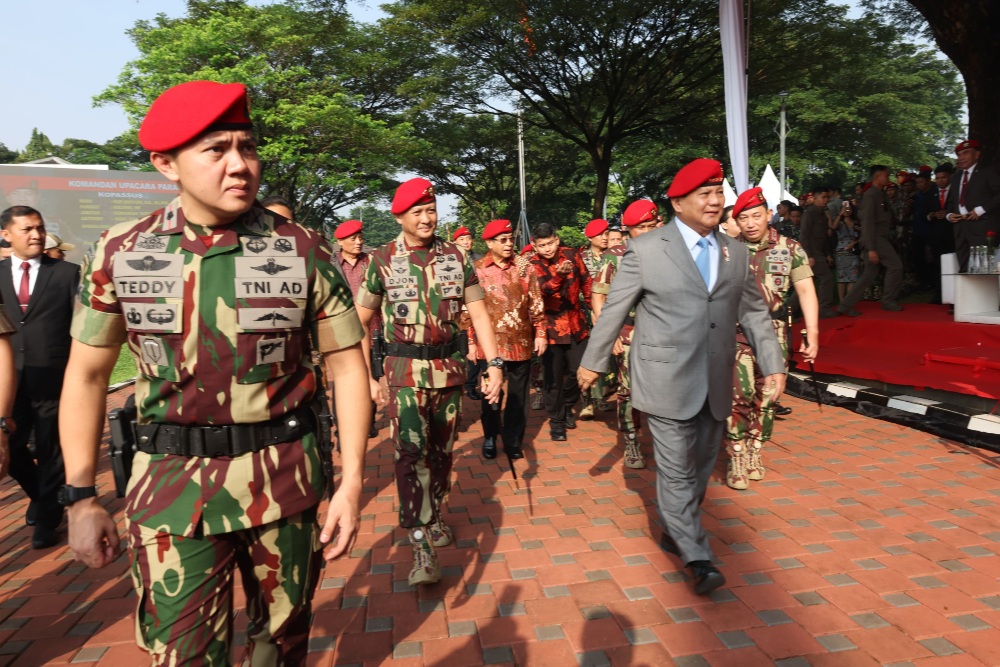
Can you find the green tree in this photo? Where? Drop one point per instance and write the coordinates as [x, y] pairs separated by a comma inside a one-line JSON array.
[[39, 146], [380, 225], [6, 154], [122, 153], [320, 148]]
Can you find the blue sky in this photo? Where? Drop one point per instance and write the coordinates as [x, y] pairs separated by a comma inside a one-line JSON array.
[[56, 55]]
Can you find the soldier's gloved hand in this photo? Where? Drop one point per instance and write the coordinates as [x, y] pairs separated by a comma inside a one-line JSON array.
[[586, 378], [492, 384], [341, 522], [378, 394], [93, 536]]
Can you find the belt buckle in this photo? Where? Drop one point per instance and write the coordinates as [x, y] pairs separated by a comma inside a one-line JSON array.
[[215, 441]]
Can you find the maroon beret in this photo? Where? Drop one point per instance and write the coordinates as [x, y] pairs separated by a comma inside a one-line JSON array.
[[347, 228], [182, 113], [461, 231], [696, 174], [497, 227], [595, 227], [639, 212], [413, 192], [968, 143], [924, 168], [751, 198], [526, 249]]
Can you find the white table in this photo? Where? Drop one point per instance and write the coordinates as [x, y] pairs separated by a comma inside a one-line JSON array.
[[977, 297]]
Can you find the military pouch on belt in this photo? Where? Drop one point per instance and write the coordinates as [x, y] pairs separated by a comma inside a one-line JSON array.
[[324, 420], [123, 447], [379, 351]]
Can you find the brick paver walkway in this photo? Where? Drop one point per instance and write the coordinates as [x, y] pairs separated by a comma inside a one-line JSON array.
[[867, 544]]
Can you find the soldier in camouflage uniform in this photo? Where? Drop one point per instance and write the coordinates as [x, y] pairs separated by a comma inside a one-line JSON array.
[[217, 299], [8, 388], [640, 217], [596, 232], [421, 282], [779, 263]]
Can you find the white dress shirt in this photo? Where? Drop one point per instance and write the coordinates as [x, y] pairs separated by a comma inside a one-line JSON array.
[[980, 211], [16, 272]]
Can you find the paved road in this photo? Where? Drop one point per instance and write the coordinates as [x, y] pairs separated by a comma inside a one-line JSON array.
[[867, 544]]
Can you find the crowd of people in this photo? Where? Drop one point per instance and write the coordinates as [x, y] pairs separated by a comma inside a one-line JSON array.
[[238, 318]]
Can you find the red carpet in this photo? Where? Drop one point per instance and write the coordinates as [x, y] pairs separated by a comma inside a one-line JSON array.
[[920, 347]]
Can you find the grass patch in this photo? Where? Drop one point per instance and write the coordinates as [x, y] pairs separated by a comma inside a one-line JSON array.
[[125, 368]]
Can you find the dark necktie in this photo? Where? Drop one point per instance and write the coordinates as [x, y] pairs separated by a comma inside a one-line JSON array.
[[965, 181], [24, 292]]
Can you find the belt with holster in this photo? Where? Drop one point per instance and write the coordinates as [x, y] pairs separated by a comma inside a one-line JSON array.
[[228, 440], [424, 352]]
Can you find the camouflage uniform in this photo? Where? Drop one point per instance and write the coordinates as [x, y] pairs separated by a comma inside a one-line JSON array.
[[628, 419], [424, 291], [219, 322], [779, 263], [596, 397]]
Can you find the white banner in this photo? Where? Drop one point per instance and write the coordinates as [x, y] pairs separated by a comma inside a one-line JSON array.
[[735, 68]]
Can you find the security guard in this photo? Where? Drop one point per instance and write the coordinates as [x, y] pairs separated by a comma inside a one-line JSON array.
[[638, 218], [779, 263], [220, 302], [421, 282]]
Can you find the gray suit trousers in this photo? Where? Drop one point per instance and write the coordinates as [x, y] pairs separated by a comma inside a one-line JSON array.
[[686, 451], [888, 258]]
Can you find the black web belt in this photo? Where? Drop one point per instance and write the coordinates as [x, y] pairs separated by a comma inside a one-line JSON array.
[[228, 440], [424, 352]]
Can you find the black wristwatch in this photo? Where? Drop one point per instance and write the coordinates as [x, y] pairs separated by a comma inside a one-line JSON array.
[[7, 425], [68, 495], [496, 362]]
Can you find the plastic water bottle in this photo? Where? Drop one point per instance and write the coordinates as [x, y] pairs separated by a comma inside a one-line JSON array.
[[974, 259]]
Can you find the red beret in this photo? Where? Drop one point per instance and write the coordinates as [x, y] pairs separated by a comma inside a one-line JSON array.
[[695, 174], [526, 249], [182, 113], [461, 231], [639, 212], [925, 168], [347, 228], [595, 227], [968, 143], [497, 227], [414, 192], [751, 198]]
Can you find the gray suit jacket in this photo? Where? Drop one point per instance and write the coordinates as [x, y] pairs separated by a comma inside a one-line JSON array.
[[684, 343]]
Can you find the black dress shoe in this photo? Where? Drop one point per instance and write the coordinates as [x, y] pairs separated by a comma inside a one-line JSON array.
[[489, 448], [706, 577], [558, 435], [31, 515], [474, 394], [513, 453], [570, 420], [781, 411], [373, 431], [44, 537]]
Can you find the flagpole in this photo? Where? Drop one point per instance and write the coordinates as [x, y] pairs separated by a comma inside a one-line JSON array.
[[523, 234]]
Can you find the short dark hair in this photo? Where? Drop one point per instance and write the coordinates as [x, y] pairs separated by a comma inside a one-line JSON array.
[[947, 168], [726, 211], [821, 188], [275, 200], [17, 212], [795, 208], [786, 203], [545, 230], [875, 168]]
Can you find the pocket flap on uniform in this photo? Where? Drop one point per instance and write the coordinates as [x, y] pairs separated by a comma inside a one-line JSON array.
[[657, 353]]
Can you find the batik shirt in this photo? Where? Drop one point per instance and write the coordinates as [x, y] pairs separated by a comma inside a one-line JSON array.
[[514, 304], [219, 322], [421, 292], [562, 295]]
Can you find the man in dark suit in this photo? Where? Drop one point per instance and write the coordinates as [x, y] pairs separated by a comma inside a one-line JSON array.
[[973, 201], [690, 286], [38, 295]]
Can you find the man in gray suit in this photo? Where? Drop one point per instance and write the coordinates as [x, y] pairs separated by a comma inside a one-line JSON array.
[[690, 286]]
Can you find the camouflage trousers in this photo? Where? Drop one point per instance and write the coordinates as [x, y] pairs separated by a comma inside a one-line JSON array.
[[628, 419], [185, 588], [423, 424], [750, 420]]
